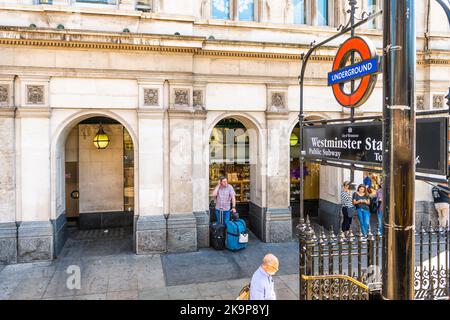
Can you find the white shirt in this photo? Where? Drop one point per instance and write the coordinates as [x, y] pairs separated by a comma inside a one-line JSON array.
[[262, 286]]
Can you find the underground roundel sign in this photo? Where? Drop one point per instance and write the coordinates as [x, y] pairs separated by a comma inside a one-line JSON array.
[[364, 72]]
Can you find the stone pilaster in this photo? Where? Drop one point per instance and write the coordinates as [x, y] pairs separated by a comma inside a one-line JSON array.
[[8, 230], [202, 221], [151, 225], [200, 179], [277, 222], [151, 234], [36, 232], [182, 233], [35, 241], [182, 227], [8, 243], [60, 233]]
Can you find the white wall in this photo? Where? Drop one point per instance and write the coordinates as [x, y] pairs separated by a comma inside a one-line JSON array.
[[100, 171]]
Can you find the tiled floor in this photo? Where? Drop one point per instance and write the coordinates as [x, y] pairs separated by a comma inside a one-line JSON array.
[[110, 270]]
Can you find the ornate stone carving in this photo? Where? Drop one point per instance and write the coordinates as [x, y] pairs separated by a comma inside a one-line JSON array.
[[4, 94], [151, 97], [438, 101], [182, 97], [278, 100], [420, 104], [35, 94], [198, 99]]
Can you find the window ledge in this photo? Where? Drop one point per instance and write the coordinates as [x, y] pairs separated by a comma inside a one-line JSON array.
[[301, 28]]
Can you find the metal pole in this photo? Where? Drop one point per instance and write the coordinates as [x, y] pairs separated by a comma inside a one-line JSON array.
[[301, 161], [352, 4], [399, 126]]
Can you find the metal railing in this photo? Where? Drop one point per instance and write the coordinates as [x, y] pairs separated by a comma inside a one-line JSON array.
[[335, 287], [327, 261]]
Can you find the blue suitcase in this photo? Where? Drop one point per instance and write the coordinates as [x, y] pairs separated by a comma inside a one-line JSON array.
[[234, 229]]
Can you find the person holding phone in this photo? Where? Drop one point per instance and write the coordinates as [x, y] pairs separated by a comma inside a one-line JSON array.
[[361, 201]]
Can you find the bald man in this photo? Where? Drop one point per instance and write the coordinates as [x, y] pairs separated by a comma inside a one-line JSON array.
[[262, 286]]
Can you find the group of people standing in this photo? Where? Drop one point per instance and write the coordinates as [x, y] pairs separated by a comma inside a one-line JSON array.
[[364, 201], [367, 200]]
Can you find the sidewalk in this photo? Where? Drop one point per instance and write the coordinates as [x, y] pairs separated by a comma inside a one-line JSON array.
[[110, 270]]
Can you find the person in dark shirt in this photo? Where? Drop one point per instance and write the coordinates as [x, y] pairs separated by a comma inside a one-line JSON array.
[[441, 203], [367, 181]]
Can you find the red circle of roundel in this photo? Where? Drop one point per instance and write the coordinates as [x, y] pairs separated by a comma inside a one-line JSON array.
[[366, 51]]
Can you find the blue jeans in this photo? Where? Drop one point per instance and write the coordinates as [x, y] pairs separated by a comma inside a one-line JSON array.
[[226, 216], [380, 220], [364, 219]]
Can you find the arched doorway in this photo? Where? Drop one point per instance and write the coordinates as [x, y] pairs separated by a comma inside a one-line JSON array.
[[95, 173], [229, 156], [311, 173]]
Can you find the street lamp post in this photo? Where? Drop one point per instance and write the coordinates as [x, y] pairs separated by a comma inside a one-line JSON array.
[[399, 143]]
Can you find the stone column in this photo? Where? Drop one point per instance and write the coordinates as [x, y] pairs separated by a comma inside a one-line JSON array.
[[182, 224], [200, 176], [35, 232], [278, 219], [200, 181], [8, 229], [151, 226]]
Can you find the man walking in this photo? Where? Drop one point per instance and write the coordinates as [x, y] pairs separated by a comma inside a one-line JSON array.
[[225, 198], [262, 286], [441, 204]]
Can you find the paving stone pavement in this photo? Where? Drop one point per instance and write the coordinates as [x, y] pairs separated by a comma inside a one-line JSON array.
[[110, 270]]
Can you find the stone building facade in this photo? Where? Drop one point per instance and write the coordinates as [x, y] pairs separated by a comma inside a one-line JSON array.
[[168, 71]]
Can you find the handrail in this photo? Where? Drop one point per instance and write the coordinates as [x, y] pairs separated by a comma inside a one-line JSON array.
[[336, 276]]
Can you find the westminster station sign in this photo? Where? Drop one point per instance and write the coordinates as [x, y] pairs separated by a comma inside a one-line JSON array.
[[362, 143]]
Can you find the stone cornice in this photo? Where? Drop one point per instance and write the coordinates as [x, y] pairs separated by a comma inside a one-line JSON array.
[[181, 113], [150, 113], [7, 112], [197, 46], [33, 112], [279, 115], [200, 114]]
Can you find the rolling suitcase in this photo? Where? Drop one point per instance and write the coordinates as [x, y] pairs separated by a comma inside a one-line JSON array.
[[236, 230], [217, 234]]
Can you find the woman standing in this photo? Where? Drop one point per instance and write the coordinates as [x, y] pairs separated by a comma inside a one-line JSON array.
[[380, 208], [347, 207], [361, 201]]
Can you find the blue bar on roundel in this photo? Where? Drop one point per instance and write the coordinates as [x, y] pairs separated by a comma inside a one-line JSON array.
[[354, 71]]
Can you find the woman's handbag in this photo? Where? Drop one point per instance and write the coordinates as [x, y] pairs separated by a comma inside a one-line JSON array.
[[245, 293], [351, 212]]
